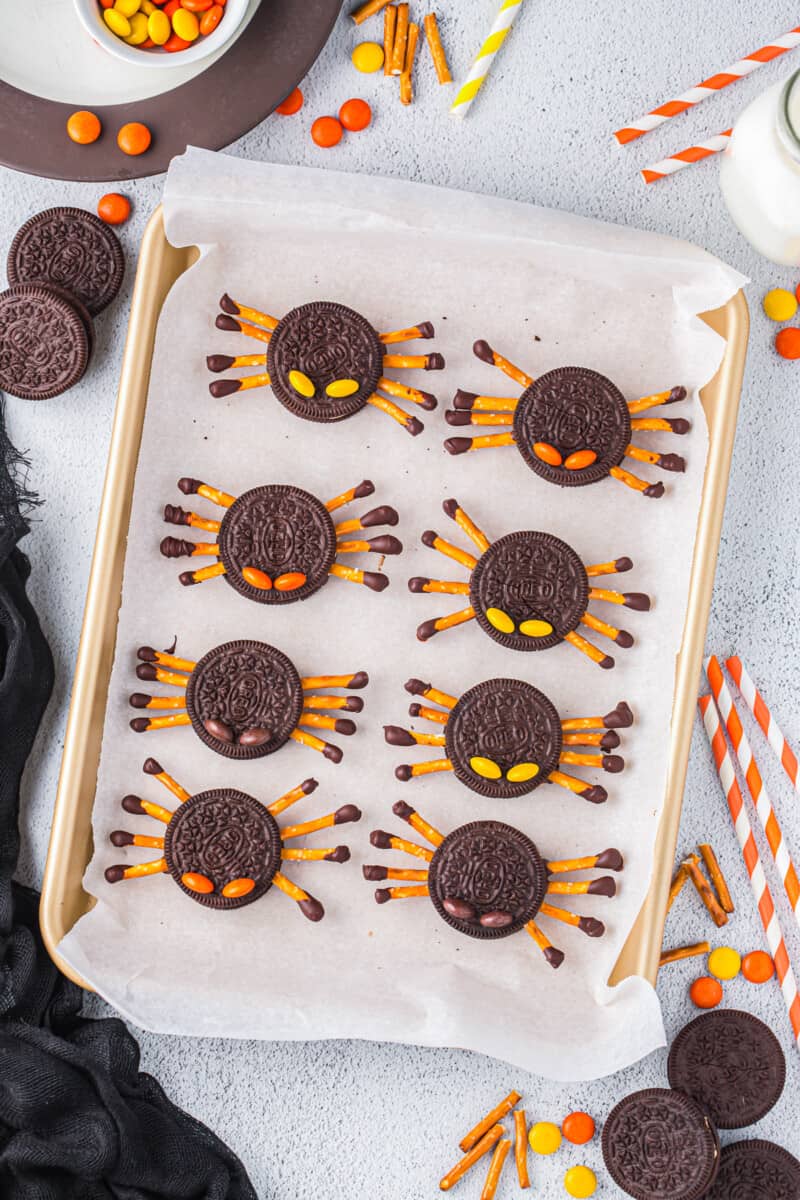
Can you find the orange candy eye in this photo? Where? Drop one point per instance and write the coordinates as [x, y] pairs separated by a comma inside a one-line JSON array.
[[256, 578], [290, 582], [238, 887], [547, 453], [580, 459], [197, 883]]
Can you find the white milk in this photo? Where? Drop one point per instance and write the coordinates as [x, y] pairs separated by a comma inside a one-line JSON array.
[[760, 172]]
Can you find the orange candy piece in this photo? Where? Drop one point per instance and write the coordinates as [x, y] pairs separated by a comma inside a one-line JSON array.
[[211, 19], [757, 966], [292, 104], [547, 453], [326, 132], [113, 208], [134, 138], [174, 44], [578, 1128], [84, 127], [706, 992], [290, 582], [355, 115], [239, 887], [196, 6], [787, 342], [197, 883], [580, 459], [256, 578]]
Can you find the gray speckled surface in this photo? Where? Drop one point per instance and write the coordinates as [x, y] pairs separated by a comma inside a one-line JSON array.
[[357, 1119]]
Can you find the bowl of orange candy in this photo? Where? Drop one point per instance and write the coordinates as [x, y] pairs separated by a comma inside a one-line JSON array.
[[161, 33]]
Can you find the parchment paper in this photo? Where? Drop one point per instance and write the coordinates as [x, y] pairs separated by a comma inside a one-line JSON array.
[[549, 290]]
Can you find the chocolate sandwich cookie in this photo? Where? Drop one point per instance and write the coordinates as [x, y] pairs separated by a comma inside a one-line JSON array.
[[324, 360], [661, 1145], [756, 1170], [71, 249], [731, 1063], [244, 699], [487, 879], [44, 344]]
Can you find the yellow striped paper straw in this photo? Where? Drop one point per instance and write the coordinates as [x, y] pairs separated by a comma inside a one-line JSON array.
[[483, 61]]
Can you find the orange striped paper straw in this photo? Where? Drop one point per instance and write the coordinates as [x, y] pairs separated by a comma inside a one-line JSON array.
[[752, 861], [685, 158], [755, 784], [709, 87], [769, 726]]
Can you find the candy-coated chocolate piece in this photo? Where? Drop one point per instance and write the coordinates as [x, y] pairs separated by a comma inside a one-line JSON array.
[[544, 1137], [239, 887], [724, 962], [292, 104], [757, 966], [499, 620], [578, 1127], [302, 384], [159, 27], [705, 992], [138, 33], [327, 132], [580, 1181], [113, 208], [197, 883], [580, 459], [256, 578], [547, 453], [780, 305], [367, 57], [787, 342], [127, 7], [134, 138], [211, 19], [341, 388], [84, 127], [117, 22], [355, 115]]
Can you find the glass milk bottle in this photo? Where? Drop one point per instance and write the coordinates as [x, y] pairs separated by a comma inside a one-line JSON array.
[[760, 173]]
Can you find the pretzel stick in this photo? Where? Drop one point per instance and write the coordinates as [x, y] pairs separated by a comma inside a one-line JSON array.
[[497, 1114], [705, 891], [678, 881], [670, 956], [368, 10], [716, 877], [406, 86], [437, 49], [474, 1155], [389, 26], [521, 1147], [400, 40], [495, 1169]]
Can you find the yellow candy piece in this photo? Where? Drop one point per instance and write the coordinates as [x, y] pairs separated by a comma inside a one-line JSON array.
[[485, 768], [522, 772], [147, 7], [724, 962], [185, 24], [580, 1182], [500, 620], [544, 1137], [158, 27], [300, 382], [138, 32], [342, 387], [118, 24], [127, 7], [367, 57], [780, 305], [536, 628]]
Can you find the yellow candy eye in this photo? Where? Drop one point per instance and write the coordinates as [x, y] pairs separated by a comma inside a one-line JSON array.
[[500, 620], [522, 772], [341, 388], [485, 768], [536, 628], [302, 384]]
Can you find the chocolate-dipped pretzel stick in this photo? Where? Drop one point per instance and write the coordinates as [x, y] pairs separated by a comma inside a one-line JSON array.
[[224, 848], [455, 879], [503, 738], [246, 699], [527, 590], [324, 361], [277, 544], [572, 426]]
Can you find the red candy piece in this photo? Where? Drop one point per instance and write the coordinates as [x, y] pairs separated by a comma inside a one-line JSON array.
[[326, 132], [787, 342], [355, 115], [292, 104], [706, 992]]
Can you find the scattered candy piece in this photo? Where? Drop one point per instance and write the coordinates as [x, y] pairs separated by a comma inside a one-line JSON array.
[[787, 343], [368, 57], [797, 292], [113, 208], [84, 127], [580, 1181], [292, 104], [705, 992], [757, 966], [355, 115], [134, 138], [327, 132], [725, 962], [544, 1137], [578, 1128], [780, 305]]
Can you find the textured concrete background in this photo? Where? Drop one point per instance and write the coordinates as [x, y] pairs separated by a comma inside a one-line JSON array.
[[362, 1120]]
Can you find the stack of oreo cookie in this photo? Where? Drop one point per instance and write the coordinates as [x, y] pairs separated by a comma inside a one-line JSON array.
[[64, 267], [726, 1070]]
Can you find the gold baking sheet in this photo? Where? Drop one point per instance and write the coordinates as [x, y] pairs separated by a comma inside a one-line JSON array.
[[64, 900]]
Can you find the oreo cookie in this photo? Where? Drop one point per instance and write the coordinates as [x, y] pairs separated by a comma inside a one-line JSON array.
[[573, 409], [44, 343], [756, 1170], [731, 1063], [487, 879], [661, 1145], [72, 249], [508, 725], [223, 835], [529, 577], [278, 529], [244, 699], [316, 347]]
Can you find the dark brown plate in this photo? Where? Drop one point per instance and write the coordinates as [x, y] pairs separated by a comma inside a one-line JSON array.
[[275, 51]]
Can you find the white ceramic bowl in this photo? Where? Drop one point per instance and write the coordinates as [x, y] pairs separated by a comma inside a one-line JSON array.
[[90, 14]]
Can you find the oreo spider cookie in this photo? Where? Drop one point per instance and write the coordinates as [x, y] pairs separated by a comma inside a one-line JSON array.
[[487, 879], [572, 410], [223, 835], [44, 344], [72, 249], [731, 1063], [529, 590], [503, 738], [282, 532], [244, 699], [756, 1170], [324, 360], [661, 1145]]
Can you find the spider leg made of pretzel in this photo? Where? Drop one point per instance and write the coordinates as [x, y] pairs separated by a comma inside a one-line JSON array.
[[418, 583], [667, 462], [309, 719], [238, 318], [395, 735], [156, 666], [133, 804], [383, 544], [471, 409], [387, 841], [597, 731]]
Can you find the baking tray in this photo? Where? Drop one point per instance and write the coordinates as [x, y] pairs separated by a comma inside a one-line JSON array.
[[64, 900]]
